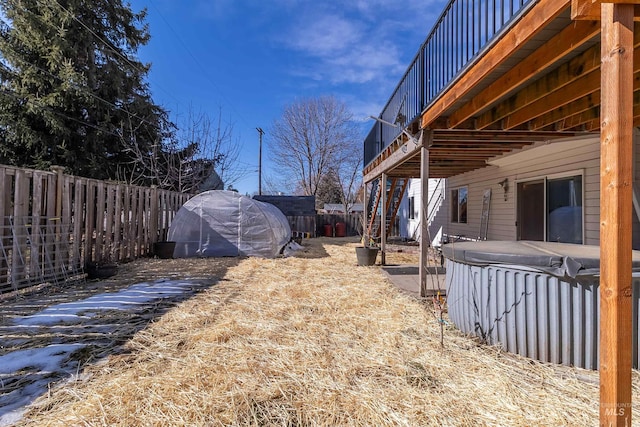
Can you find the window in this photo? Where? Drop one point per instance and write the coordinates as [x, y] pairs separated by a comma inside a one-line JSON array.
[[550, 209], [412, 207], [564, 209], [459, 205]]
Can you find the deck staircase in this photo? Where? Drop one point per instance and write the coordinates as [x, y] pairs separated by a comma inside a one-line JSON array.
[[395, 190]]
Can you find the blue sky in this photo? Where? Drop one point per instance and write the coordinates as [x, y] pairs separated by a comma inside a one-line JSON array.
[[251, 58]]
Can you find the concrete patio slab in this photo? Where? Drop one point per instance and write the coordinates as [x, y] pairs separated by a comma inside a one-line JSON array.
[[407, 278]]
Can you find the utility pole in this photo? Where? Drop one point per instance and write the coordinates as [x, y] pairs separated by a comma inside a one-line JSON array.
[[260, 132]]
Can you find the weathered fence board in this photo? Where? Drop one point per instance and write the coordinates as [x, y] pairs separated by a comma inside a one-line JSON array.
[[52, 224], [352, 221]]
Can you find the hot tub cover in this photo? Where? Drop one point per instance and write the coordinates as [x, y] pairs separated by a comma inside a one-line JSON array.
[[559, 259], [225, 223]]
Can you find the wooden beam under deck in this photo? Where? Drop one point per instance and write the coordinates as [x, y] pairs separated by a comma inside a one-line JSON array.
[[540, 15], [569, 83], [469, 149], [394, 158], [590, 10], [576, 107], [589, 86], [579, 119], [571, 92], [557, 47], [560, 77]]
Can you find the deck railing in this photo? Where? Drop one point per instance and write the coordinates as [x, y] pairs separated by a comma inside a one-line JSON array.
[[464, 30]]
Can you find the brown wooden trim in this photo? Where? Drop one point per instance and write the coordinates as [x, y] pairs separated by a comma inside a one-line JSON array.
[[543, 12], [583, 104], [400, 155], [562, 76], [476, 137], [570, 82], [590, 10], [579, 119], [567, 40], [555, 99], [558, 99]]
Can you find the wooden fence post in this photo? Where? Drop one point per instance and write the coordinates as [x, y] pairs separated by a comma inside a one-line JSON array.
[[5, 232], [20, 211], [153, 216]]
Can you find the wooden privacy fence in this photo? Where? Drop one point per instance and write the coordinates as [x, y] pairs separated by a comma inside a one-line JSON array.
[[53, 224], [352, 221], [314, 224]]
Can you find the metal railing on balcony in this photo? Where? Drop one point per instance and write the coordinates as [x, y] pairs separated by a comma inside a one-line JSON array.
[[464, 30]]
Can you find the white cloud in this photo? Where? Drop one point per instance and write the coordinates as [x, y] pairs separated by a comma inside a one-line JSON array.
[[344, 50], [358, 42], [325, 36]]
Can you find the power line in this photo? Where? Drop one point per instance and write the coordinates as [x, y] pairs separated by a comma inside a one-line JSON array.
[[58, 113], [108, 45], [87, 91], [84, 90]]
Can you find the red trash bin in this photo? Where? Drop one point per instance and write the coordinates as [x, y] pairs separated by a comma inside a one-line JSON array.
[[341, 229], [328, 230]]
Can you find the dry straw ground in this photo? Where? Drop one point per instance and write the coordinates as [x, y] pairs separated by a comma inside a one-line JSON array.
[[315, 340]]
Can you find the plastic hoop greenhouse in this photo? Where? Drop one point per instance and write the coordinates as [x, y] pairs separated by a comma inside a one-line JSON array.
[[224, 223]]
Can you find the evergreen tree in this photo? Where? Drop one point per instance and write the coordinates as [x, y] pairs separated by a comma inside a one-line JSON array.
[[328, 189], [72, 91]]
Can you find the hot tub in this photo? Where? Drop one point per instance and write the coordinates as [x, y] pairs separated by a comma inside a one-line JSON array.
[[536, 299]]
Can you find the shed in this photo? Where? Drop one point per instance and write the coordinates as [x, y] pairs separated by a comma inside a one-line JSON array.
[[299, 210]]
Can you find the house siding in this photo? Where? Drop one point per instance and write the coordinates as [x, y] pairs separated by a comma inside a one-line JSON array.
[[535, 162], [410, 227]]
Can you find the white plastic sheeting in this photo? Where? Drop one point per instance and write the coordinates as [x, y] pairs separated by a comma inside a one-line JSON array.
[[225, 223]]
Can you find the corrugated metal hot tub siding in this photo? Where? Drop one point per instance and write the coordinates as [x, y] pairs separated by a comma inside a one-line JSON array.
[[531, 313]]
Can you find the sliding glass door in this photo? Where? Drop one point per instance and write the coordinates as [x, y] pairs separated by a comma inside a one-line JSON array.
[[531, 210], [550, 209]]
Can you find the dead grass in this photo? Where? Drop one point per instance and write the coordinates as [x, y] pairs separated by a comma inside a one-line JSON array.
[[315, 340]]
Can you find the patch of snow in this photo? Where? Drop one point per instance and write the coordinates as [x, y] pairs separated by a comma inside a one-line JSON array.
[[126, 299], [43, 365], [45, 360], [52, 363]]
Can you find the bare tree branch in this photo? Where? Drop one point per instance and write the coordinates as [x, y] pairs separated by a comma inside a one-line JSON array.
[[313, 137], [202, 155]]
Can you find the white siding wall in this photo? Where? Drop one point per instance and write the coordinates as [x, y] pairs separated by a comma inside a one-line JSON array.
[[410, 228], [528, 164]]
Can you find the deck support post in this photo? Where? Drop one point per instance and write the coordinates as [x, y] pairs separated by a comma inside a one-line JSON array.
[[424, 212], [383, 218], [616, 179], [365, 212]]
